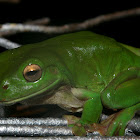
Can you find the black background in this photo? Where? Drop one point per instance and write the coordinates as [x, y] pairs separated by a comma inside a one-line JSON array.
[[61, 10], [125, 30]]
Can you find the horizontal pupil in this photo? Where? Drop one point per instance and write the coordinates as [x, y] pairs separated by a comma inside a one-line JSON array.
[[31, 73]]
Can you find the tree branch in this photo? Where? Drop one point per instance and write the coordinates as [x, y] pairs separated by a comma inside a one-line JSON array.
[[12, 28], [7, 44]]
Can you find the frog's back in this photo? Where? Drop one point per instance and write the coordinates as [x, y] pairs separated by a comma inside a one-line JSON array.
[[94, 60]]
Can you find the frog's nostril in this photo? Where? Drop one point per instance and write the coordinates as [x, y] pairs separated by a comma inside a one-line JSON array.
[[5, 87]]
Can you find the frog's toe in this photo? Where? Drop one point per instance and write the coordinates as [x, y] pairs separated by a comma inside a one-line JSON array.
[[71, 119], [101, 129], [79, 130], [116, 123], [108, 127]]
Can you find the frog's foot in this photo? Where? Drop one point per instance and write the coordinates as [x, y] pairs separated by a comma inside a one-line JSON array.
[[103, 127], [77, 128], [115, 124]]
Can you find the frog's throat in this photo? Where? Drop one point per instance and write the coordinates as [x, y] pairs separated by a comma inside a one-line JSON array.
[[46, 89]]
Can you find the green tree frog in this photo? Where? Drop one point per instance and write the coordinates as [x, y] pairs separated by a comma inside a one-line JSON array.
[[80, 71]]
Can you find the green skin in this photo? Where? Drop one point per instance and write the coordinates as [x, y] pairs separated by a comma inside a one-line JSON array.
[[80, 70]]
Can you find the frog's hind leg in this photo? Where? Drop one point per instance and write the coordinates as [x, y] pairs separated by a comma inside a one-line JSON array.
[[115, 124], [122, 93]]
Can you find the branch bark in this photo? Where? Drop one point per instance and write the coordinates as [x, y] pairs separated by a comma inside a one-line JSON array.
[[12, 28]]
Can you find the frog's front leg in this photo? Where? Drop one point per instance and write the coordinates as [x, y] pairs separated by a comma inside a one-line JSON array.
[[92, 109], [122, 93]]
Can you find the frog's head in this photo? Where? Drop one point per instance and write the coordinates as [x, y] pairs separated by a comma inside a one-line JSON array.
[[26, 73]]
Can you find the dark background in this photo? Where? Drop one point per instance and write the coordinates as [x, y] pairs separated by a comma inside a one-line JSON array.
[[61, 10], [125, 30]]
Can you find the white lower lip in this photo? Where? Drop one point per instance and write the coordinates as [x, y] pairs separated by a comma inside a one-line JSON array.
[[31, 95]]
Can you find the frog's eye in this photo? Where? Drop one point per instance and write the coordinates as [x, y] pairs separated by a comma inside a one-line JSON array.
[[32, 73]]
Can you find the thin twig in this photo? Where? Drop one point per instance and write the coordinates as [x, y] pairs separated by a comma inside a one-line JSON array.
[[36, 26], [7, 44], [8, 29], [42, 21]]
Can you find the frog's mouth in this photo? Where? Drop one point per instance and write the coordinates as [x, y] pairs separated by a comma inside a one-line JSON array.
[[47, 89]]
